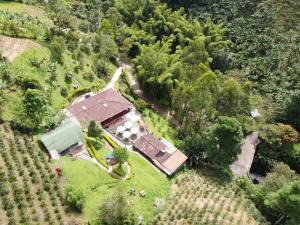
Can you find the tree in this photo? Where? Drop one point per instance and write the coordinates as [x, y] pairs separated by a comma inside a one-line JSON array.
[[57, 47], [194, 113], [116, 211], [32, 110], [232, 99], [75, 199], [120, 155], [223, 141], [279, 175], [140, 105], [277, 144], [261, 194], [94, 130], [52, 69], [193, 148], [287, 201]]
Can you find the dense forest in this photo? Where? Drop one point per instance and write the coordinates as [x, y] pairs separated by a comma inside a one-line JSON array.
[[209, 62]]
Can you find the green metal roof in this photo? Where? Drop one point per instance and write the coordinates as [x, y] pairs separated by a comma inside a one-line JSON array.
[[64, 136]]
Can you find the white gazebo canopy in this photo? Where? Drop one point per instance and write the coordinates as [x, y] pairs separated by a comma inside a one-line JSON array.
[[134, 130], [135, 118], [120, 129], [126, 134], [128, 125]]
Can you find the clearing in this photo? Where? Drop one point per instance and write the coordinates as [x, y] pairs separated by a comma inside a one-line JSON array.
[[13, 47]]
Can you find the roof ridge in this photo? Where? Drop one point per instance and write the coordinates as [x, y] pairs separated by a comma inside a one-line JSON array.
[[150, 142]]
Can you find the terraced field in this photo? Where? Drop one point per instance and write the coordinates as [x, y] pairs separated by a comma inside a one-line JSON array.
[[30, 190]]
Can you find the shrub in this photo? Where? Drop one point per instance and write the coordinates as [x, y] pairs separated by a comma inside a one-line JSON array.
[[64, 92], [28, 83], [140, 105], [89, 76], [68, 77], [75, 199]]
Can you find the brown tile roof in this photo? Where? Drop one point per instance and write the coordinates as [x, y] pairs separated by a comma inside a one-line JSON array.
[[174, 161], [159, 154], [100, 107]]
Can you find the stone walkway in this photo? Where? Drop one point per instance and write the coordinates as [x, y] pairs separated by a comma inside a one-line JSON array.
[[241, 167]]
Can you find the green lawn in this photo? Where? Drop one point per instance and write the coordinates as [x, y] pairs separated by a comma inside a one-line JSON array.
[[98, 184], [159, 126], [26, 9]]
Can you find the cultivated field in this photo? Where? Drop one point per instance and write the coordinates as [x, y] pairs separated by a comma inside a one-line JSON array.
[[30, 190], [196, 199]]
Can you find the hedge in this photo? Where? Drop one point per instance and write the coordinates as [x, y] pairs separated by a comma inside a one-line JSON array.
[[78, 92], [110, 141], [93, 152], [131, 172]]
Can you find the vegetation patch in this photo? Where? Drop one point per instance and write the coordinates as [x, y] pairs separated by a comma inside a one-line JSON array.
[[159, 126], [21, 25], [33, 11]]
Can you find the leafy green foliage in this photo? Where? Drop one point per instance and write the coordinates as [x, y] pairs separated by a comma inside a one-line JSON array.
[[32, 110], [277, 143], [140, 105], [263, 194], [21, 25], [57, 48], [120, 155], [75, 199], [116, 211], [264, 36], [223, 141], [94, 130], [287, 199], [192, 146]]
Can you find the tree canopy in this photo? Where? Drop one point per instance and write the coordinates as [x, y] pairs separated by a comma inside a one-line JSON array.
[[223, 141]]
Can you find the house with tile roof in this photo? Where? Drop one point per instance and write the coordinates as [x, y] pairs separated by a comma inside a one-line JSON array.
[[104, 107], [165, 158]]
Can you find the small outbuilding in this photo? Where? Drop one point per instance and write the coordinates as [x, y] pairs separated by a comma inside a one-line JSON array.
[[65, 139]]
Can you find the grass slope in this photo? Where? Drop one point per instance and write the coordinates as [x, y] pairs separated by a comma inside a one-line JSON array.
[[98, 184], [159, 126], [196, 199]]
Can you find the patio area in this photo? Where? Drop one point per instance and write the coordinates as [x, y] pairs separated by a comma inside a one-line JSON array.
[[128, 128]]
